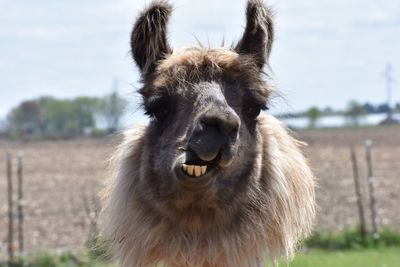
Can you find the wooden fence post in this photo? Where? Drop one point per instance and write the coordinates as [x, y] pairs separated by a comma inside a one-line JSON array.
[[361, 215], [91, 207], [371, 185], [20, 204], [10, 210]]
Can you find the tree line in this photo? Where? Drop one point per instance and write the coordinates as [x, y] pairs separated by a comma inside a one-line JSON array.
[[354, 112], [49, 117]]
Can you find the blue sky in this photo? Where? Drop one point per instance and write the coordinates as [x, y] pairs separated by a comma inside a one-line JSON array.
[[326, 52]]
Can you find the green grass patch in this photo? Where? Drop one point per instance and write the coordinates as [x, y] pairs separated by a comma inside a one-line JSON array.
[[351, 239], [324, 249], [370, 257], [380, 257], [66, 259]]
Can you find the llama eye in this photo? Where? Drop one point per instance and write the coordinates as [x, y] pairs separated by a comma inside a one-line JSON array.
[[252, 112], [160, 114], [159, 108]]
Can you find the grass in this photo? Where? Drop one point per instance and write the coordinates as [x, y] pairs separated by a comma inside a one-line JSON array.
[[366, 257], [350, 238], [379, 257], [65, 259], [327, 249]]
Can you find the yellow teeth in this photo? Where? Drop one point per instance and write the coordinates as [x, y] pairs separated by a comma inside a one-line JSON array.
[[197, 171], [190, 170], [203, 170], [194, 170]]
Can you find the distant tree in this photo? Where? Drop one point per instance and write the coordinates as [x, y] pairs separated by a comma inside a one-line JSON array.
[[327, 111], [3, 128], [112, 109], [26, 119], [354, 112], [313, 115], [369, 108], [85, 109], [49, 117], [384, 108], [397, 107], [71, 117]]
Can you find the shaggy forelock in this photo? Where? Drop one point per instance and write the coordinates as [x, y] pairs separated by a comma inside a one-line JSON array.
[[188, 66]]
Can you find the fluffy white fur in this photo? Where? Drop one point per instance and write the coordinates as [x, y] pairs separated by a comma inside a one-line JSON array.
[[282, 191]]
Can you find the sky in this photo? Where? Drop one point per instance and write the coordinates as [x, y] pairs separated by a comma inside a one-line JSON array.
[[325, 52]]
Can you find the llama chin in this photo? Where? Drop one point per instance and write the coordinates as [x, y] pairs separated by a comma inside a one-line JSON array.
[[210, 181]]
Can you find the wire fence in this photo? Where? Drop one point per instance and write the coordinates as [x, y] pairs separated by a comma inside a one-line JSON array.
[[54, 184]]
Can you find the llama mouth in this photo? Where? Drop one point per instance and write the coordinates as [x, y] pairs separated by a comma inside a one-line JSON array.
[[197, 168]]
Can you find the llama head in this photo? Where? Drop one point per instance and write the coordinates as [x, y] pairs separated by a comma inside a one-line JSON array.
[[203, 102]]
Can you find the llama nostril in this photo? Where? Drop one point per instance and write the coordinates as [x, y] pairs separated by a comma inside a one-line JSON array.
[[231, 129]]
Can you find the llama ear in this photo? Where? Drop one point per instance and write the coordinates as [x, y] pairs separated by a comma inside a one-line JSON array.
[[149, 42], [259, 33]]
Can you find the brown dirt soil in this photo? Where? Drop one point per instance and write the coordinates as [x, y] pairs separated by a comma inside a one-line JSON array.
[[60, 175]]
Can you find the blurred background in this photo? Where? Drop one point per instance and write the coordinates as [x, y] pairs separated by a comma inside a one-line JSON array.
[[68, 84]]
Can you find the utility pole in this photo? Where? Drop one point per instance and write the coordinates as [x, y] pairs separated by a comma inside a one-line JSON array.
[[115, 85], [114, 105], [388, 85]]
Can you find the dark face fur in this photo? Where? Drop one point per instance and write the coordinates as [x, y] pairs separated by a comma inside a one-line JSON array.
[[202, 139]]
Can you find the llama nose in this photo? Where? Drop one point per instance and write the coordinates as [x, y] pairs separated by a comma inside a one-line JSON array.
[[216, 135], [227, 124]]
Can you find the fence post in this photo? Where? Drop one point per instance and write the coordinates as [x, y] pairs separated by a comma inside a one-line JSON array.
[[90, 205], [361, 215], [10, 210], [371, 185], [20, 204]]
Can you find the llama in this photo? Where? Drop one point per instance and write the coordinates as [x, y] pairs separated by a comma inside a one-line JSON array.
[[210, 181]]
